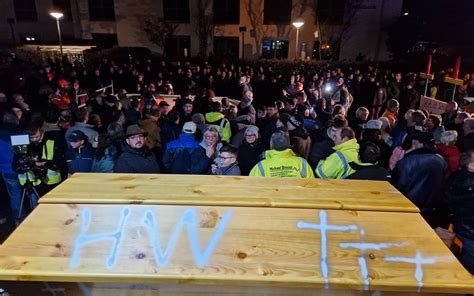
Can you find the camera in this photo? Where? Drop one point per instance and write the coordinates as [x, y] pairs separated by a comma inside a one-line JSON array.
[[26, 162]]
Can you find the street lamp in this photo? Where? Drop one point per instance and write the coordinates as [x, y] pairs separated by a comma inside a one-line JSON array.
[[298, 25], [57, 15]]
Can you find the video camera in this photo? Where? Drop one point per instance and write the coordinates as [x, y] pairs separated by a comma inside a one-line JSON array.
[[26, 162]]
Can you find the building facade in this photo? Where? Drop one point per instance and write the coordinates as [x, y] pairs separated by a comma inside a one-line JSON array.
[[245, 28]]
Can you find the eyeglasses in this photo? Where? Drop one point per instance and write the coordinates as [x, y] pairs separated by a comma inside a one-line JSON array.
[[136, 137], [228, 157]]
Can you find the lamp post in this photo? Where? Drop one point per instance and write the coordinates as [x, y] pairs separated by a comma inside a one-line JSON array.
[[57, 16], [298, 25]]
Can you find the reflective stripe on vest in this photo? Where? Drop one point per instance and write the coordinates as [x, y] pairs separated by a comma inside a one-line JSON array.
[[260, 168], [320, 171], [344, 163], [303, 169], [28, 176], [53, 177]]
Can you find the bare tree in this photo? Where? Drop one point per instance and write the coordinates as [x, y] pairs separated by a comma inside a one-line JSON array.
[[204, 25], [158, 30], [331, 29], [254, 10]]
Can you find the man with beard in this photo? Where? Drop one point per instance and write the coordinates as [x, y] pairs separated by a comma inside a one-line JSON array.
[[136, 157]]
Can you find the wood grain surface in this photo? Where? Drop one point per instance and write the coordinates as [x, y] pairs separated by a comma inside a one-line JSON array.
[[230, 191], [256, 247]]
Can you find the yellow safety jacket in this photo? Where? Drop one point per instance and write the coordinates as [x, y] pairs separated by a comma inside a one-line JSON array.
[[282, 164], [52, 177], [336, 165]]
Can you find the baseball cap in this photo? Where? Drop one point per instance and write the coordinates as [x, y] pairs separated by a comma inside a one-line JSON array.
[[189, 127], [76, 136]]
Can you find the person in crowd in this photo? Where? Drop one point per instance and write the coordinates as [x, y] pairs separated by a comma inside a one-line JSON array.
[[251, 150], [150, 125], [395, 86], [459, 193], [385, 131], [267, 121], [368, 168], [409, 98], [245, 107], [341, 95], [80, 155], [299, 136], [136, 157], [49, 163], [228, 165], [212, 144], [372, 133], [419, 175], [217, 119], [281, 161], [357, 123], [81, 116], [170, 129], [379, 100], [336, 165], [450, 113], [324, 146], [185, 155], [392, 111], [10, 126], [200, 122], [186, 111], [433, 126], [447, 148], [468, 128]]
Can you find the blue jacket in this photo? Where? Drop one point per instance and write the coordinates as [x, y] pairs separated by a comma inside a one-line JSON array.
[[80, 160], [185, 156], [419, 175], [6, 150]]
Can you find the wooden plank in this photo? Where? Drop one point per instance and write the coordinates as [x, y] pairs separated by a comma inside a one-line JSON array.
[[451, 80], [245, 247], [230, 191], [427, 76]]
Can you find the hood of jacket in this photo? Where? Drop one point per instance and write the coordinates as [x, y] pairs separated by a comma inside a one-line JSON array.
[[214, 116], [299, 132], [348, 145]]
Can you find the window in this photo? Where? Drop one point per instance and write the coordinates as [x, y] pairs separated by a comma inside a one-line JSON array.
[[65, 7], [331, 11], [104, 40], [177, 46], [226, 11], [277, 12], [227, 47], [101, 10], [176, 10], [25, 10], [275, 49]]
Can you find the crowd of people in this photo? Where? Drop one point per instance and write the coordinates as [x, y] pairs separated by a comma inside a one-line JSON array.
[[233, 119]]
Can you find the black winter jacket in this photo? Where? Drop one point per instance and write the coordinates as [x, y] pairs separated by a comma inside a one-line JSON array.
[[140, 161]]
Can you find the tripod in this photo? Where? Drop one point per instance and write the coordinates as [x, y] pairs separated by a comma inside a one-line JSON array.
[[30, 192]]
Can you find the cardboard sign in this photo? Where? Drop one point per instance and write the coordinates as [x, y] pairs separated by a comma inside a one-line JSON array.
[[82, 99], [432, 105]]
